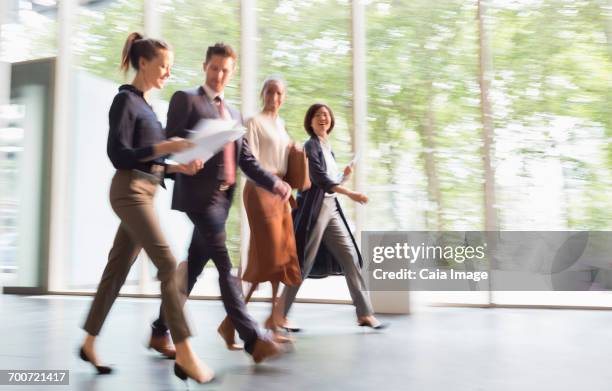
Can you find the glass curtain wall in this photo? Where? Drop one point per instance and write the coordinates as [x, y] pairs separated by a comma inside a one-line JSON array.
[[424, 133], [27, 45], [551, 95], [549, 101], [100, 30], [549, 63]]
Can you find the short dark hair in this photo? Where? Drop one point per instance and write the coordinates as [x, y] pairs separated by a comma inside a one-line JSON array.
[[137, 46], [220, 49], [312, 110]]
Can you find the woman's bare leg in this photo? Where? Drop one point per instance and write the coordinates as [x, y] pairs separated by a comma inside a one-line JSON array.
[[250, 292], [189, 362]]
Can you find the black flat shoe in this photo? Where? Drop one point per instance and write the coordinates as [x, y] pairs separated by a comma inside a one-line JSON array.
[[376, 326], [102, 369]]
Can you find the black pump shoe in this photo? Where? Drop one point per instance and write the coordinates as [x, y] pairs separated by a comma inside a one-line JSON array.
[[102, 369], [376, 326], [291, 329], [179, 372], [183, 375]]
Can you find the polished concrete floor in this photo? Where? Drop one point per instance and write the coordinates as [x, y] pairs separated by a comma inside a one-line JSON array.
[[451, 349]]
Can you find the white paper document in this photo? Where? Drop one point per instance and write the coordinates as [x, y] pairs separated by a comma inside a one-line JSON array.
[[209, 137], [341, 178]]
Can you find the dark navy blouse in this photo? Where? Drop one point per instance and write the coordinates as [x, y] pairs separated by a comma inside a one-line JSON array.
[[133, 130]]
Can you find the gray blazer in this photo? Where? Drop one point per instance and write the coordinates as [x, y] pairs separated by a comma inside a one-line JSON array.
[[195, 193]]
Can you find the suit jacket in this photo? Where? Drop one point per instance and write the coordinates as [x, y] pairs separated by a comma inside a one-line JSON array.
[[307, 212], [195, 193]]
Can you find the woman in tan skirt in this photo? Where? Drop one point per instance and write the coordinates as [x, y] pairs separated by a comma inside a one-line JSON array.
[[272, 253]]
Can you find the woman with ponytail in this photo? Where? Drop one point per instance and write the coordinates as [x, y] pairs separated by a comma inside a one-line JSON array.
[[137, 148]]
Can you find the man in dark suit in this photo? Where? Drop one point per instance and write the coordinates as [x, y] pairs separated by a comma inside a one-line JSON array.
[[206, 198]]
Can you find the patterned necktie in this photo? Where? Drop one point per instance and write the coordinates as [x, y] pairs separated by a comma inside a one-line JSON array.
[[229, 151]]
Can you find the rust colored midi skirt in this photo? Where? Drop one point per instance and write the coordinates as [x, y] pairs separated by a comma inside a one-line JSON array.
[[272, 252]]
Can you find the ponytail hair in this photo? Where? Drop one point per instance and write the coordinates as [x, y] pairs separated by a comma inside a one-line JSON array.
[[137, 46]]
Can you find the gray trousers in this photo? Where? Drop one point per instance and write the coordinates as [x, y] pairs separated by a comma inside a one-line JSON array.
[[331, 231], [132, 200]]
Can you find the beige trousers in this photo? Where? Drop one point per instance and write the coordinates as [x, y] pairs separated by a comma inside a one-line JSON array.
[[131, 198]]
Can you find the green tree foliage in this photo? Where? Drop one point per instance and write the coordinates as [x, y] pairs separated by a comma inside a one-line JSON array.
[[424, 112], [308, 43], [552, 99], [551, 95], [100, 35]]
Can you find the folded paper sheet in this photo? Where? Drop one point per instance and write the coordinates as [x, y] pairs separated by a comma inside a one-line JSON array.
[[209, 137]]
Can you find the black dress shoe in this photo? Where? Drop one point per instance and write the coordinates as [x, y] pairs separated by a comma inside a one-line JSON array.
[[102, 369]]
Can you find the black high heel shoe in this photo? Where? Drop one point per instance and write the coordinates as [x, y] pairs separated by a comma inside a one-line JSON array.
[[180, 373], [291, 329], [376, 326], [102, 369], [183, 375]]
